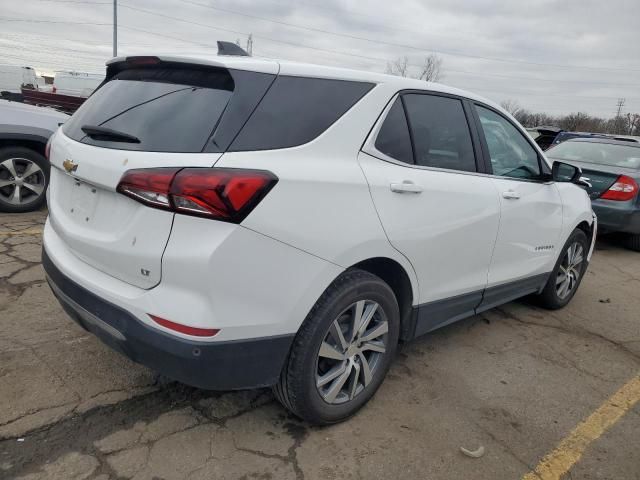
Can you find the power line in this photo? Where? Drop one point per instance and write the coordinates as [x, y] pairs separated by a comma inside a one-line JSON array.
[[364, 57], [50, 63], [61, 52], [539, 94], [21, 36], [296, 45], [163, 35], [411, 47], [29, 20], [80, 2]]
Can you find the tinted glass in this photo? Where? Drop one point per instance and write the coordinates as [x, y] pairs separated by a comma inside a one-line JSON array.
[[511, 154], [165, 116], [440, 132], [598, 153], [296, 110], [393, 138]]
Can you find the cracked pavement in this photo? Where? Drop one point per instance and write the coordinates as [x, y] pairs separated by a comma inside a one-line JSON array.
[[515, 379]]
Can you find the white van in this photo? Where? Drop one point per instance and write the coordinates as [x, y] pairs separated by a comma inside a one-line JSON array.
[[77, 84], [12, 77]]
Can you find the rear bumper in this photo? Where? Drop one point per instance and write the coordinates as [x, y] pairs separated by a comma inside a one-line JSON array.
[[221, 365], [617, 216]]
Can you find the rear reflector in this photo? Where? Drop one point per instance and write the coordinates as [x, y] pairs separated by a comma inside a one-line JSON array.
[[225, 194], [177, 327], [624, 189]]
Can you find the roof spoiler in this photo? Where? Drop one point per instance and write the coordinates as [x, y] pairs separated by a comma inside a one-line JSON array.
[[229, 48]]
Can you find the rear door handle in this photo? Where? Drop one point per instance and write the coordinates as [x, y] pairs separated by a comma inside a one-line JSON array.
[[511, 195], [406, 187]]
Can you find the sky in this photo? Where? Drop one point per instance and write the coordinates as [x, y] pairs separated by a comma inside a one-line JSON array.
[[552, 56]]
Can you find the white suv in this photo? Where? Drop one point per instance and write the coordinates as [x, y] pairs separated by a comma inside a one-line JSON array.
[[235, 223]]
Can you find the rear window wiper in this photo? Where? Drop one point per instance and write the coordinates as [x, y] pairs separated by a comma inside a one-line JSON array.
[[108, 135]]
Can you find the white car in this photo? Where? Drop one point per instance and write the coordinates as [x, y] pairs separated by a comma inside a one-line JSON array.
[[24, 170], [235, 223]]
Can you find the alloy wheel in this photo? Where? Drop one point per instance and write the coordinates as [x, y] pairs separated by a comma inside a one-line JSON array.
[[351, 352], [22, 181], [570, 270]]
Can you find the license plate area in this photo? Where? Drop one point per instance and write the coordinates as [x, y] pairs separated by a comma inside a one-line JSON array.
[[83, 199]]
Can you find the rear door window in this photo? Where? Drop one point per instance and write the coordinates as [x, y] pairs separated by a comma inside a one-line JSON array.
[[296, 110], [440, 132], [168, 110]]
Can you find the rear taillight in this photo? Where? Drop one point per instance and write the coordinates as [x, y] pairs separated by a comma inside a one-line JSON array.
[[226, 194], [624, 189], [148, 186]]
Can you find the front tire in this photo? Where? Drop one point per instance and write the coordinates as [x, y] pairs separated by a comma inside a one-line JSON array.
[[342, 351], [567, 274]]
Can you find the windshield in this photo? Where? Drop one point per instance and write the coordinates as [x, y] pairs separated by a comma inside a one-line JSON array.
[[598, 153]]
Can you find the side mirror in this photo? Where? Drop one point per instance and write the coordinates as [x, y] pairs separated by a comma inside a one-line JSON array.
[[564, 172]]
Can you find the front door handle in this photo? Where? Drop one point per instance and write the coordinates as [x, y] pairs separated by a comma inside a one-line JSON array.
[[511, 195], [406, 187]]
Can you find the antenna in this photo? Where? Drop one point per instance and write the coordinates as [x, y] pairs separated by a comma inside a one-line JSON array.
[[230, 48]]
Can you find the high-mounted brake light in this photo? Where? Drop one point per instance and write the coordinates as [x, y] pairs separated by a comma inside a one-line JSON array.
[[139, 61], [625, 188], [226, 194], [178, 327]]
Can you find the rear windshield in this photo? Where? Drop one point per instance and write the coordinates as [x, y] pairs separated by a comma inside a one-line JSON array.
[[597, 153], [167, 110]]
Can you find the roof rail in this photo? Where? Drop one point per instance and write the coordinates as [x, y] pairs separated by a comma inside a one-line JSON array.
[[229, 48]]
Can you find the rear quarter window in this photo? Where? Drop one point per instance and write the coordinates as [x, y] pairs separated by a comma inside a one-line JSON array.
[[296, 110], [393, 138]]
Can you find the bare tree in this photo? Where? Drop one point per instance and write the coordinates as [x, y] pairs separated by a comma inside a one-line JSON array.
[[511, 106], [430, 71], [633, 123], [399, 67], [577, 122], [432, 68]]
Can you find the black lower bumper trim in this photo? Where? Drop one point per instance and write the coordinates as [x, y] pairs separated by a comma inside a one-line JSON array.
[[215, 366]]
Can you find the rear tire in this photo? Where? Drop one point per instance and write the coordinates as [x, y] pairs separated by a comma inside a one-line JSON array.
[[632, 242], [567, 274], [26, 170], [330, 374]]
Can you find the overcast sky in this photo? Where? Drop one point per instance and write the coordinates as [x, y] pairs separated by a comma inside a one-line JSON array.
[[553, 56]]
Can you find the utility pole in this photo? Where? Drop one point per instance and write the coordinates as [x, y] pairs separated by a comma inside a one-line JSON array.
[[115, 28], [620, 104], [250, 44], [618, 126]]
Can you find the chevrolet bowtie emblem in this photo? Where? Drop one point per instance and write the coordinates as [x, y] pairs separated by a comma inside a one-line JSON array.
[[69, 166]]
